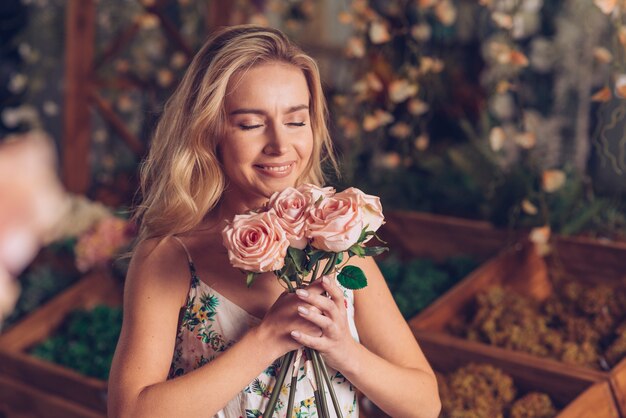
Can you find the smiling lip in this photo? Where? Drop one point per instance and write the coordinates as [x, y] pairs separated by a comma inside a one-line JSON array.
[[276, 170]]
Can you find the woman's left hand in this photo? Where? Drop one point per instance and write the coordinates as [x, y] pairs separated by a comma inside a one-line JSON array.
[[323, 304]]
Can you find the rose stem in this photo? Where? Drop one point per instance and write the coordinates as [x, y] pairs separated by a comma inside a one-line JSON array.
[[322, 406], [269, 410], [314, 272], [331, 264], [292, 390], [331, 389]]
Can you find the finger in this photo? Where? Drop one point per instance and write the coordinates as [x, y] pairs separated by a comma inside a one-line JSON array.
[[321, 302], [330, 286], [323, 322], [316, 343]]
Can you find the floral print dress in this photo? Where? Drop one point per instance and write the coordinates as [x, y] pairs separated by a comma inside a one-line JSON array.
[[210, 323]]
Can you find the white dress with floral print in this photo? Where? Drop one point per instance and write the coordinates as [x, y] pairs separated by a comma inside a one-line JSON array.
[[210, 323]]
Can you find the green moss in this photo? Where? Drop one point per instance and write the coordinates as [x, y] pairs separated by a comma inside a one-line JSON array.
[[416, 283], [85, 342]]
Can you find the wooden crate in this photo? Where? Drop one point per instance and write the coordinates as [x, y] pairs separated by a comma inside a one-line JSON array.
[[579, 395], [437, 237], [40, 377], [18, 400], [521, 269]]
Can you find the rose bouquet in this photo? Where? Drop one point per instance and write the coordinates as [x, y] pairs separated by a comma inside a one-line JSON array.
[[300, 235]]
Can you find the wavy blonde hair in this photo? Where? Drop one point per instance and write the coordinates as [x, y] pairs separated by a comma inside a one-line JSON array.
[[182, 178]]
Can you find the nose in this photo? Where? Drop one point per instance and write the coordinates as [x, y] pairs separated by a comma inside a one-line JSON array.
[[277, 140]]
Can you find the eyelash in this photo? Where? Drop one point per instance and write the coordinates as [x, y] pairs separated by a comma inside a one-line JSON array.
[[250, 127]]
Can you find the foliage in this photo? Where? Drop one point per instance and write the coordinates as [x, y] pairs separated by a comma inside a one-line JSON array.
[[85, 342], [485, 109], [417, 282], [43, 280]]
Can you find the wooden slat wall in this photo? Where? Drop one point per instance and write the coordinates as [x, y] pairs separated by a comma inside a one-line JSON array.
[[80, 32]]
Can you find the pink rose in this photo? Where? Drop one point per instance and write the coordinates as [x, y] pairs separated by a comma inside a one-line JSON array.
[[291, 208], [371, 208], [256, 242], [314, 192], [335, 224]]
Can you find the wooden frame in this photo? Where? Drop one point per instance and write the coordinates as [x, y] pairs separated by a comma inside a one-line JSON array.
[[82, 94], [521, 269], [48, 383]]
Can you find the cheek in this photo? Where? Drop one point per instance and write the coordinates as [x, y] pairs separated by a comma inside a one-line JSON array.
[[306, 146]]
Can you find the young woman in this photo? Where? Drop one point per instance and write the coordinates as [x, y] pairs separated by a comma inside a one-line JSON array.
[[247, 120]]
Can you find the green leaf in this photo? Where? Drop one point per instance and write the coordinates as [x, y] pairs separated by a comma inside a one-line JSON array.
[[352, 277], [299, 258], [315, 256], [379, 239], [364, 234], [339, 258], [374, 251], [356, 249], [250, 276]]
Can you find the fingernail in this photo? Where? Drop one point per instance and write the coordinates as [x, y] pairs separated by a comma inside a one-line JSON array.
[[303, 310], [302, 293], [325, 280], [295, 334]]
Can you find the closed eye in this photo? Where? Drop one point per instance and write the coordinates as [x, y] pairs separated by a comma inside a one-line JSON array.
[[296, 124], [249, 127]]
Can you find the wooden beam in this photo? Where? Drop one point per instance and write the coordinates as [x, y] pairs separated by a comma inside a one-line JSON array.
[[79, 41], [171, 31], [107, 112], [120, 41], [218, 14]]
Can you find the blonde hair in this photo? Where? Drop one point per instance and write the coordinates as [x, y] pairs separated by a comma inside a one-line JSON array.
[[182, 178]]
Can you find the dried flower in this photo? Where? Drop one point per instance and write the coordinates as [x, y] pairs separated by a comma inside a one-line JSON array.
[[540, 236], [345, 18], [421, 32], [502, 20], [378, 33], [422, 142], [497, 138], [526, 140], [529, 208], [401, 90], [602, 55], [620, 86], [552, 180], [445, 12], [378, 119], [355, 47], [602, 95], [417, 107], [606, 6], [400, 130], [148, 21]]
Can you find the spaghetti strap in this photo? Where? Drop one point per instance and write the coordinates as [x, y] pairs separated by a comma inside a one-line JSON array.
[[180, 241], [192, 268]]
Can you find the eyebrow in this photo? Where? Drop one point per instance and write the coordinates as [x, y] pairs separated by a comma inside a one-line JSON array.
[[261, 112]]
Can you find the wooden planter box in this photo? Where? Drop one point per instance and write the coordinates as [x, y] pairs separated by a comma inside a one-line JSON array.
[[438, 237], [51, 387], [578, 396], [521, 269]]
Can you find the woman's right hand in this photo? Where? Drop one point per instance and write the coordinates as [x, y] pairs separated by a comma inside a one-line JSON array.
[[282, 318]]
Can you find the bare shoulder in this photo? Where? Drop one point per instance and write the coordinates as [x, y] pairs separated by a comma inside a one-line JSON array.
[[159, 265]]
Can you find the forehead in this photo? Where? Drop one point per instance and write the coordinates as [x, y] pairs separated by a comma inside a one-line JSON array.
[[268, 84]]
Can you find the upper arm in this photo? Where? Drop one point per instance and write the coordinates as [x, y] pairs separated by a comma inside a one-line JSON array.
[[155, 289], [382, 328]]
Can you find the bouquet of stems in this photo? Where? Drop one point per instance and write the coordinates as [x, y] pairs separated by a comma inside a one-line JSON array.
[[300, 235]]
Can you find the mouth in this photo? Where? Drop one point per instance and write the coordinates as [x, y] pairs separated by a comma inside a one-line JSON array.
[[275, 169]]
